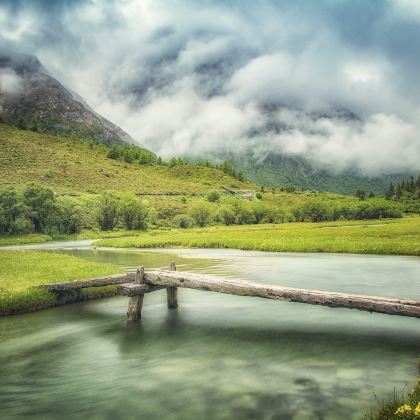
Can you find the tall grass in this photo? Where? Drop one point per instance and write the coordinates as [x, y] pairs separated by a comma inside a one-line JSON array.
[[398, 405], [394, 236]]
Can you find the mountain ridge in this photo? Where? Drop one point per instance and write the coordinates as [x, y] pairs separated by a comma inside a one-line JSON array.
[[36, 100]]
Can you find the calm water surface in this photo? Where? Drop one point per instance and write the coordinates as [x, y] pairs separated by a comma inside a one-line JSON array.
[[217, 356]]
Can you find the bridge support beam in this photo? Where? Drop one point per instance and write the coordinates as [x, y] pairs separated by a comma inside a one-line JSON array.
[[172, 291], [135, 303]]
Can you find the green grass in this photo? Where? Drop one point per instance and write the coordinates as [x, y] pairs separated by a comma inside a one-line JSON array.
[[20, 270], [390, 236], [409, 406], [71, 167], [24, 239]]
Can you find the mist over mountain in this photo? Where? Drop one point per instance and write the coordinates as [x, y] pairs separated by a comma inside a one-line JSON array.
[[332, 83], [31, 98]]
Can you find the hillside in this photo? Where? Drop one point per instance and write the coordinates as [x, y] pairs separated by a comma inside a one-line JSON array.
[[31, 98], [278, 170], [72, 167]]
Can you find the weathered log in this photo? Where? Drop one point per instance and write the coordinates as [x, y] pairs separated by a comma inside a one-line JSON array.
[[96, 282], [134, 289], [172, 291], [135, 303], [404, 307]]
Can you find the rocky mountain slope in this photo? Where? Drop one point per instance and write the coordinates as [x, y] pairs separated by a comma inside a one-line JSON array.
[[31, 98]]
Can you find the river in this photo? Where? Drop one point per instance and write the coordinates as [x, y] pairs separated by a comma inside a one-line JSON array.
[[217, 356]]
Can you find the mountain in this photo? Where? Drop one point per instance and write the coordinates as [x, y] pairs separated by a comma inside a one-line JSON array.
[[31, 98], [277, 170]]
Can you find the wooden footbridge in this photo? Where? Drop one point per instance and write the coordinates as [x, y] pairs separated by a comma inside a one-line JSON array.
[[136, 285]]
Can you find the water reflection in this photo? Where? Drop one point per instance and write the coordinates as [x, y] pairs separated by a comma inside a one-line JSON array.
[[217, 356]]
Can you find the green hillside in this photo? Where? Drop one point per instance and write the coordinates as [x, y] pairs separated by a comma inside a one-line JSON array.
[[69, 166], [279, 170]]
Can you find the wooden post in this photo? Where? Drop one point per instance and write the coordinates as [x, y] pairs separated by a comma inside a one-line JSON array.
[[135, 303], [172, 291]]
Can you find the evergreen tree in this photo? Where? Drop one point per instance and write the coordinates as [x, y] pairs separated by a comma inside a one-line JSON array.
[[390, 192], [398, 191], [21, 124]]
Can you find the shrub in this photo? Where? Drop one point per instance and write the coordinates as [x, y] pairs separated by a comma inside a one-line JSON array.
[[107, 211], [134, 213], [265, 213], [201, 213], [113, 153], [227, 215], [259, 195], [317, 212], [183, 221], [290, 188], [244, 214], [213, 196]]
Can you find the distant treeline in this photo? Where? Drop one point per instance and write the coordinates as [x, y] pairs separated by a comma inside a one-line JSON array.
[[407, 193], [409, 188], [39, 209], [135, 154]]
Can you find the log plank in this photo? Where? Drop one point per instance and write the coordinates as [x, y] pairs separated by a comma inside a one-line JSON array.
[[391, 306], [96, 282]]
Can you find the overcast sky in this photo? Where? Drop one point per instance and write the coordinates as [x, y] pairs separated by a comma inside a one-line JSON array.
[[192, 77]]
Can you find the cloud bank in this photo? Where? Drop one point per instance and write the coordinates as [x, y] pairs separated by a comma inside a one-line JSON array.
[[335, 82]]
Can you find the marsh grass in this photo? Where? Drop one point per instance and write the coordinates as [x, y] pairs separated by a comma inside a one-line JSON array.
[[398, 405], [24, 239], [20, 270], [391, 236]]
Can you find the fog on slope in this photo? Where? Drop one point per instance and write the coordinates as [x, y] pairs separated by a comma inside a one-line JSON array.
[[334, 82]]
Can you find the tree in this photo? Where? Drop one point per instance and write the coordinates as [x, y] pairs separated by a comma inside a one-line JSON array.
[[398, 192], [371, 194], [134, 213], [108, 211], [360, 194], [41, 203], [69, 216], [390, 192], [201, 213]]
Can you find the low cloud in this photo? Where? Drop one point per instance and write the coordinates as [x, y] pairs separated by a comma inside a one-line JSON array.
[[10, 82], [216, 78]]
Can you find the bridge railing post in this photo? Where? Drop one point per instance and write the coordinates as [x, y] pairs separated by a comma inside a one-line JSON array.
[[172, 291], [135, 303]]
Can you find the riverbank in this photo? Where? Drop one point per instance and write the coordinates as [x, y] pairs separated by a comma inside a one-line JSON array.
[[21, 270], [399, 406], [384, 237]]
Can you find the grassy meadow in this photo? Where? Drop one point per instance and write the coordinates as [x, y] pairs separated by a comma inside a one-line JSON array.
[[386, 236], [21, 270]]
